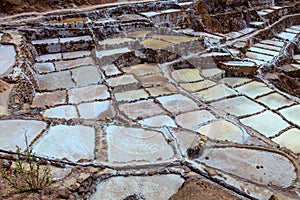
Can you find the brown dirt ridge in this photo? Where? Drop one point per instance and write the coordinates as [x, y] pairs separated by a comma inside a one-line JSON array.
[[10, 7]]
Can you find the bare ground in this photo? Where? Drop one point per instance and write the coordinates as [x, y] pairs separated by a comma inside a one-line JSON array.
[[10, 7]]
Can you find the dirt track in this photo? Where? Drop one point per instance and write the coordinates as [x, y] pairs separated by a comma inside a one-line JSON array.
[[10, 7]]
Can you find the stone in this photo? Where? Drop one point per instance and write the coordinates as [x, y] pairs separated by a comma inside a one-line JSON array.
[[113, 53], [49, 57], [214, 93], [177, 103], [60, 173], [96, 110], [296, 56], [14, 133], [219, 56], [158, 121], [292, 114], [234, 81], [275, 101], [61, 112], [162, 90], [233, 35], [247, 30], [106, 20], [260, 166], [115, 41], [141, 109], [106, 57], [140, 187], [44, 67], [127, 144], [86, 75], [5, 163], [70, 64], [295, 28], [186, 75], [5, 93], [131, 95], [213, 73], [265, 12], [139, 34], [185, 140], [78, 143], [173, 11], [149, 14], [76, 54], [259, 56], [295, 66], [155, 44], [216, 39], [111, 70], [128, 18], [290, 30], [266, 123], [185, 4], [88, 93], [286, 36], [81, 38], [238, 68], [289, 69], [49, 98], [197, 86], [153, 80], [56, 80], [264, 51], [3, 110], [193, 120], [45, 41], [239, 44], [142, 69], [238, 106], [235, 52], [258, 62], [223, 130], [269, 47], [4, 86], [289, 139], [122, 80], [254, 89], [257, 24], [273, 42], [7, 58]]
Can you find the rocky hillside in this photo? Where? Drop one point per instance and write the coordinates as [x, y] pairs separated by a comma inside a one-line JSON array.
[[219, 7], [9, 7]]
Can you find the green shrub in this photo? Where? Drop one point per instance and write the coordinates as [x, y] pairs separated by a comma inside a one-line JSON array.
[[27, 174]]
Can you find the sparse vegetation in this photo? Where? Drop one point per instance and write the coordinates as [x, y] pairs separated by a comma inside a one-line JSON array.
[[27, 173]]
